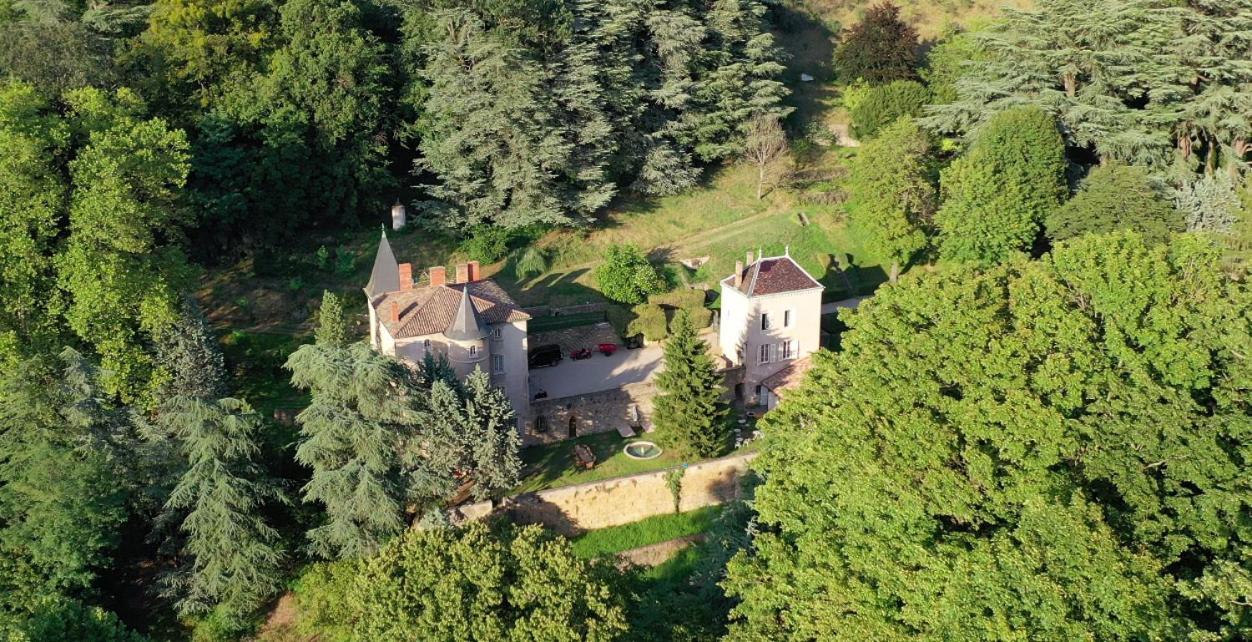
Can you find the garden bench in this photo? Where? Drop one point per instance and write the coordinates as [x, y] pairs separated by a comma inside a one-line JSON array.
[[583, 457]]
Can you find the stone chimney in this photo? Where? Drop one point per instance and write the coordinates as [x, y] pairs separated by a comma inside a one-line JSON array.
[[438, 275], [738, 274], [395, 312], [406, 276], [462, 273], [398, 215], [475, 272]]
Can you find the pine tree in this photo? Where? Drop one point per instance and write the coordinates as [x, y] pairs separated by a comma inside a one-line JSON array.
[[688, 413], [355, 436], [1116, 197], [232, 555], [479, 426], [188, 359], [64, 481], [332, 324]]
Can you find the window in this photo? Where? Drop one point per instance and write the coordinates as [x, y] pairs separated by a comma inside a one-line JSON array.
[[497, 364], [495, 333], [765, 321], [767, 353], [787, 318], [788, 349], [474, 350]]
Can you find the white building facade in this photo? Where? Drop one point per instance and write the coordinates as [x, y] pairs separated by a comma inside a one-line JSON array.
[[771, 317]]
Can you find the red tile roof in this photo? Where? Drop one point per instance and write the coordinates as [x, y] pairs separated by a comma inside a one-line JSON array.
[[431, 309], [775, 275], [789, 377]]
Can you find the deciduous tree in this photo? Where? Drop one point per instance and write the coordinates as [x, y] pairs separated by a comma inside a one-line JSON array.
[[511, 584], [879, 49], [996, 196], [891, 193], [1033, 462], [627, 276], [764, 144]]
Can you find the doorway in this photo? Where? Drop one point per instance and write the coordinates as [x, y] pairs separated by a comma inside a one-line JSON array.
[[573, 427]]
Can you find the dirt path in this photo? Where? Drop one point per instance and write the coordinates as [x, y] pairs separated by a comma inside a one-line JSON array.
[[655, 554]]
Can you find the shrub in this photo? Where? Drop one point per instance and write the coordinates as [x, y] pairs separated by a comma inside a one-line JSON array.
[[649, 321], [487, 244], [531, 261], [886, 104], [322, 597], [691, 300], [621, 318], [626, 275]]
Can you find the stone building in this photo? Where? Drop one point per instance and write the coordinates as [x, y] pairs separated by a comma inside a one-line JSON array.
[[469, 320], [771, 318]]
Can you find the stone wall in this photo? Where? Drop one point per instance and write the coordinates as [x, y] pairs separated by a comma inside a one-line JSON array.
[[629, 499], [596, 412]]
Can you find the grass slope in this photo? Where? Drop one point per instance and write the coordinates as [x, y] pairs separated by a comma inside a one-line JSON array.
[[651, 530]]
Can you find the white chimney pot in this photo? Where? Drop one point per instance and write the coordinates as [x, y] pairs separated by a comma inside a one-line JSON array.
[[398, 217]]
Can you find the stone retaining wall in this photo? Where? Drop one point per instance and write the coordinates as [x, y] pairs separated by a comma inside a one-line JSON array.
[[596, 412], [629, 499]]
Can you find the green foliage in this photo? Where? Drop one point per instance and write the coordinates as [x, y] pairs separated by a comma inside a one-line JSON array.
[[885, 104], [332, 322], [1116, 197], [879, 49], [531, 261], [119, 266], [891, 194], [189, 361], [626, 276], [996, 195], [193, 49], [1149, 83], [487, 244], [647, 531], [64, 482], [688, 412], [689, 299], [1037, 455], [231, 555], [947, 62], [512, 584], [1210, 203], [64, 620], [54, 53], [32, 195], [355, 439], [321, 594], [650, 321], [482, 426], [674, 481]]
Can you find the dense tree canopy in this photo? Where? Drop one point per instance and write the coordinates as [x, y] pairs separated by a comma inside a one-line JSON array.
[[689, 415], [518, 584], [884, 104], [1116, 197], [1059, 451], [891, 193], [879, 49], [997, 195]]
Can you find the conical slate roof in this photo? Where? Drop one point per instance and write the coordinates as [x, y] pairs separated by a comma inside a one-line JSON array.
[[466, 326], [386, 275]]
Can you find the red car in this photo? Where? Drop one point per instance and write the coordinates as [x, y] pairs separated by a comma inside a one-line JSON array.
[[607, 349], [580, 354]]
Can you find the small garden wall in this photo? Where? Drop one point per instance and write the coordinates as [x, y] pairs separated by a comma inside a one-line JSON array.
[[592, 413], [629, 499]]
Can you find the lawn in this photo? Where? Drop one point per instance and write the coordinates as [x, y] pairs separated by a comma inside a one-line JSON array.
[[564, 321], [652, 530], [552, 465]]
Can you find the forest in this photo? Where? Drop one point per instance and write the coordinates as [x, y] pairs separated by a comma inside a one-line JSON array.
[[1037, 425]]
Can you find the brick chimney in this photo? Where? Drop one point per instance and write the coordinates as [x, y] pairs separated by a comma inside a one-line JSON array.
[[395, 312], [462, 273], [438, 275], [475, 272], [406, 276], [738, 274]]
